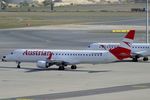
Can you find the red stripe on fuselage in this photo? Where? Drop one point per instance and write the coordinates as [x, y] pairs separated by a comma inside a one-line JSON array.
[[50, 56], [127, 43]]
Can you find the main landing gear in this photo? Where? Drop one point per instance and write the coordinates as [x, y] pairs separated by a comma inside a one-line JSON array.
[[62, 67], [135, 59], [145, 59], [73, 67], [18, 64]]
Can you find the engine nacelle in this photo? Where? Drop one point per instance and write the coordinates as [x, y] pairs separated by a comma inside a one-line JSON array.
[[42, 64]]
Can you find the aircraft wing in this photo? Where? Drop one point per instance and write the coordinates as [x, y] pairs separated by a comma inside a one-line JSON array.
[[139, 54], [57, 62]]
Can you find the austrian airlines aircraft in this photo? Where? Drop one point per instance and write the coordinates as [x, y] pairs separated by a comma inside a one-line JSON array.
[[46, 58], [138, 49]]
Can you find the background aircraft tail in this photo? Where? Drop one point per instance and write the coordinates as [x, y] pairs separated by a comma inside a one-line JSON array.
[[124, 50]]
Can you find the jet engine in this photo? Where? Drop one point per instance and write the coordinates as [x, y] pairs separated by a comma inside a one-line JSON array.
[[42, 64]]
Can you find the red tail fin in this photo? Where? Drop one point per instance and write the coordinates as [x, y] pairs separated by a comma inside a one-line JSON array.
[[130, 34], [124, 50]]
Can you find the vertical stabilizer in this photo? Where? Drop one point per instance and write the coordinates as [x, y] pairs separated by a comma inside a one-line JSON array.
[[124, 50]]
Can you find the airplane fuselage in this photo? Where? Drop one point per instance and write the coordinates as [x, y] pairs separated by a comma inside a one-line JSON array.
[[71, 56], [141, 48]]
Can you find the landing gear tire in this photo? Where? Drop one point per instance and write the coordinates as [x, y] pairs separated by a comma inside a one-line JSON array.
[[47, 65], [135, 59], [73, 67], [61, 68], [18, 66], [145, 59]]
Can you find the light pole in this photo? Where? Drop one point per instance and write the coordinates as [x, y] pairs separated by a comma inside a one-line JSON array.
[[147, 22], [0, 5], [52, 5]]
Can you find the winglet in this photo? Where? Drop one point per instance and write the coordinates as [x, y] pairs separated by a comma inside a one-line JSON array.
[[124, 50]]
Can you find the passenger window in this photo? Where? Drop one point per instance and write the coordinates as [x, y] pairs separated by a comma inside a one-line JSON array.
[[11, 53]]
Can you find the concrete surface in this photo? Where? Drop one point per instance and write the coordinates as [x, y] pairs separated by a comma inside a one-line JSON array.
[[123, 80]]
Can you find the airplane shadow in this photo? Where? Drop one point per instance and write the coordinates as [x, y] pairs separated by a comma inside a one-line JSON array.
[[4, 67], [139, 61], [67, 70], [29, 70]]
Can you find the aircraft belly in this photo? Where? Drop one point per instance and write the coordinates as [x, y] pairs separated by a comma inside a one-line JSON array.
[[32, 58]]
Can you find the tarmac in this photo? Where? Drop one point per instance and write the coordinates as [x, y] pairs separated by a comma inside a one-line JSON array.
[[120, 80]]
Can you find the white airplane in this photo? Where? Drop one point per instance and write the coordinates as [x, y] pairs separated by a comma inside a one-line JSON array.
[[138, 49], [46, 58]]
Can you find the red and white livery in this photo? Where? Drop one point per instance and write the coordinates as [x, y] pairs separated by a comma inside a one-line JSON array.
[[62, 58], [137, 49]]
